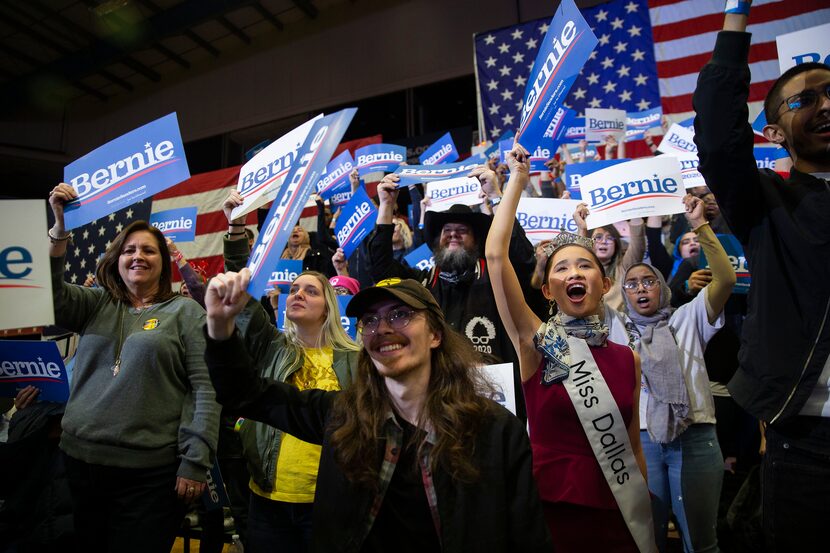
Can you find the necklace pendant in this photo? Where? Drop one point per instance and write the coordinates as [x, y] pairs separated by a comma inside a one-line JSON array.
[[116, 368]]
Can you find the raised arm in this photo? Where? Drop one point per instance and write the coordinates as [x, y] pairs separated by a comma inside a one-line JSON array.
[[382, 262], [636, 244], [519, 320], [723, 275], [73, 304], [237, 385], [723, 134], [660, 258]]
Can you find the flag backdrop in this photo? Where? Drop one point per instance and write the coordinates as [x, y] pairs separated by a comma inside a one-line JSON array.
[[650, 53], [90, 241]]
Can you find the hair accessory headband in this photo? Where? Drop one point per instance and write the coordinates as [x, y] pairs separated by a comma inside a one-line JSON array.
[[568, 239]]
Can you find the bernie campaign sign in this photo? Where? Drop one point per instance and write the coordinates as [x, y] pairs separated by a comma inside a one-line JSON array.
[[564, 50], [636, 124], [678, 139], [575, 131], [179, 225], [29, 363], [286, 272], [420, 258], [413, 174], [574, 172], [766, 156], [759, 124], [304, 174], [544, 218], [735, 253], [444, 194], [25, 274], [260, 178], [442, 151], [336, 175], [539, 156], [356, 221], [379, 157], [639, 188], [341, 195], [494, 147], [600, 123], [688, 169], [349, 324], [807, 45], [501, 376], [132, 167]]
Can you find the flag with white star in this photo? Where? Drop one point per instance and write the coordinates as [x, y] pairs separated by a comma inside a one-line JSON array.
[[90, 241], [621, 72]]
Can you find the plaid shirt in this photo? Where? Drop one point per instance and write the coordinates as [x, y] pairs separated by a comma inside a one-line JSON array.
[[394, 442]]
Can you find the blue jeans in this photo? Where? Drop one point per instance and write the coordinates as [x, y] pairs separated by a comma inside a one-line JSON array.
[[795, 486], [685, 476], [278, 526]]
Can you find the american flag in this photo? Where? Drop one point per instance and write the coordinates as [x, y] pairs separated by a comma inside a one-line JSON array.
[[649, 53], [92, 240], [621, 72]]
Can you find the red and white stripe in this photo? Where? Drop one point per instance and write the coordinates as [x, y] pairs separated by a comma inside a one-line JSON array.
[[684, 37]]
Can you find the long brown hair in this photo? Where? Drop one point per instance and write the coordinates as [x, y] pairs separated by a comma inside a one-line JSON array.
[[454, 409], [110, 279]]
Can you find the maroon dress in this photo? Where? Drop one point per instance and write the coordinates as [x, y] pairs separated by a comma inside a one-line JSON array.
[[581, 510]]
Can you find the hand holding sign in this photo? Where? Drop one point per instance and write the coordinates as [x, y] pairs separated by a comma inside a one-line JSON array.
[[58, 198], [230, 204]]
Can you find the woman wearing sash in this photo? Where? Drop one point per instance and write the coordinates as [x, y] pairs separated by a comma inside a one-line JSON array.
[[677, 411], [581, 392]]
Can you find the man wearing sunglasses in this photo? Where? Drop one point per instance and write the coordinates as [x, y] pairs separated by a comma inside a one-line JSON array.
[[414, 457], [784, 227]]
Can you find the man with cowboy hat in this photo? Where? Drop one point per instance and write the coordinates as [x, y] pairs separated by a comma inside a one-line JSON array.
[[459, 281]]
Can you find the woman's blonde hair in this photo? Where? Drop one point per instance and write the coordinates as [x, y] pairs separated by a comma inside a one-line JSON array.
[[406, 233]]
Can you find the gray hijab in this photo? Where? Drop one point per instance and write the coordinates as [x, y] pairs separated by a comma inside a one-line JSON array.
[[667, 414]]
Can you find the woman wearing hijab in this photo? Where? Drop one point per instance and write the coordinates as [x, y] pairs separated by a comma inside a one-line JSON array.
[[677, 412]]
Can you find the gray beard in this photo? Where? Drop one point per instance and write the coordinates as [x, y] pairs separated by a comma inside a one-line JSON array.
[[458, 260]]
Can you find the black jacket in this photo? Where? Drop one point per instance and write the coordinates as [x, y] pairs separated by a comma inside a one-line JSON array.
[[501, 511], [784, 227]]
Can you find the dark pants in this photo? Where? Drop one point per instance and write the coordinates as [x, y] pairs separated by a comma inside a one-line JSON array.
[[124, 510], [278, 526], [796, 485]]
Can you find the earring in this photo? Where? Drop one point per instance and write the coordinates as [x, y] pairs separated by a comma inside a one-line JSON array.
[[553, 307]]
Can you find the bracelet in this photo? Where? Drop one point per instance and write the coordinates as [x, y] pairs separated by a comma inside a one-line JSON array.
[[738, 7], [236, 224], [66, 236], [495, 201], [235, 233], [177, 257]]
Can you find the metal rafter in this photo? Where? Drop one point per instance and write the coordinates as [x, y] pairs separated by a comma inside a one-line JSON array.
[[268, 16], [26, 58], [233, 29], [202, 43], [23, 27], [122, 57], [307, 7], [121, 24]]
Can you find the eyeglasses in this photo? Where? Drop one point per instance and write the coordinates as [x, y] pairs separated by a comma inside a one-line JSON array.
[[397, 319], [603, 238], [648, 283], [460, 230], [803, 100]]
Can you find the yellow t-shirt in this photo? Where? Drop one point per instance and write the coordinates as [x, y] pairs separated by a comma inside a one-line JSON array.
[[297, 461]]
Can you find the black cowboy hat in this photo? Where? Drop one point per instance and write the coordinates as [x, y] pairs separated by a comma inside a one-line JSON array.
[[434, 221]]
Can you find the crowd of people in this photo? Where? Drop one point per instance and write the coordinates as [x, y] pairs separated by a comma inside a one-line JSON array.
[[646, 390]]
